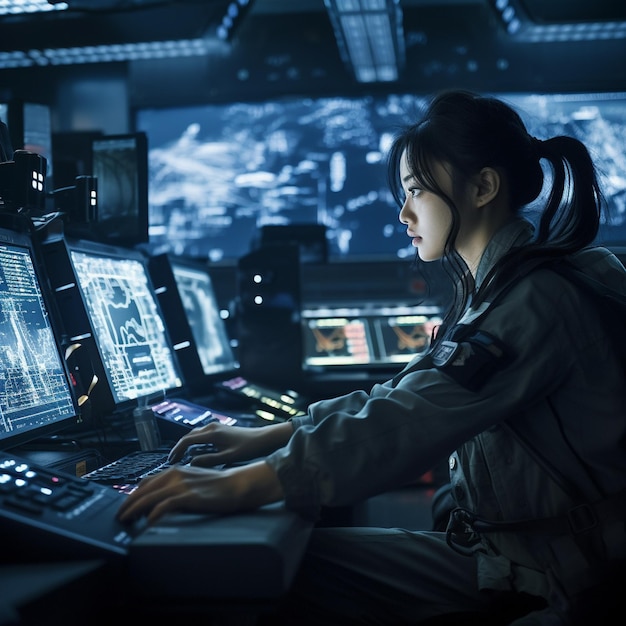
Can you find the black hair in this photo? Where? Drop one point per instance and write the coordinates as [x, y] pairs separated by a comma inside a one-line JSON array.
[[469, 132]]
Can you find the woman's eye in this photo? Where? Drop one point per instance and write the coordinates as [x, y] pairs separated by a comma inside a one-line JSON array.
[[414, 192]]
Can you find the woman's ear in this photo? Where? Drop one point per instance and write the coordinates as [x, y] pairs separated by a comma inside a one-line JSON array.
[[487, 186]]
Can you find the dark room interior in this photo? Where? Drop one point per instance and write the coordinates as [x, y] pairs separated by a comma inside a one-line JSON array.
[[237, 151]]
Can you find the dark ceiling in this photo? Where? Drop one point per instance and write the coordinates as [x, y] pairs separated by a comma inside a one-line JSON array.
[[283, 46]]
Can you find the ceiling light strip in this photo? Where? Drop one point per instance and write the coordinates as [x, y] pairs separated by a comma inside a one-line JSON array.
[[110, 53], [16, 7]]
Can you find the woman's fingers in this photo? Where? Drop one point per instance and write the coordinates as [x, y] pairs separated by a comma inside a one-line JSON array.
[[174, 489]]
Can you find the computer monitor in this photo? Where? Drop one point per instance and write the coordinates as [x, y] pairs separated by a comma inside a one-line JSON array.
[[185, 292], [120, 166], [36, 395], [341, 340], [368, 337], [322, 161], [402, 335], [107, 300], [204, 316], [202, 342]]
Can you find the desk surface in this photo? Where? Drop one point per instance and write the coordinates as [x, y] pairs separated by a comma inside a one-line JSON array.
[[46, 593], [249, 555], [184, 561]]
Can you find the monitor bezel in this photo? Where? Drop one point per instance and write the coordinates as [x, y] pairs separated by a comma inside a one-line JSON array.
[[181, 335]]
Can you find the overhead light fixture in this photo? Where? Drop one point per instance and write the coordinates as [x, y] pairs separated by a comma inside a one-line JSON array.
[[111, 53], [521, 27], [370, 37], [16, 7], [233, 16], [210, 43]]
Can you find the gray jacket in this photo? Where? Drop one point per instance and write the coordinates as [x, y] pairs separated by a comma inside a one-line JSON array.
[[561, 390]]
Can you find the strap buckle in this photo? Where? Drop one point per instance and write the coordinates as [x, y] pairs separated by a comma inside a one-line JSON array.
[[582, 519], [460, 534]]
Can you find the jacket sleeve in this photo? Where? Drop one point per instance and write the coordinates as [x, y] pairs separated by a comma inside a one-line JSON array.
[[361, 444]]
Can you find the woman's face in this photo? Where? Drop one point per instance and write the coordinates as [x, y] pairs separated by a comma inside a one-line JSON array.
[[427, 217]]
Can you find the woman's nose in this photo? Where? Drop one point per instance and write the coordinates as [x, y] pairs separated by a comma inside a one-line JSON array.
[[402, 215]]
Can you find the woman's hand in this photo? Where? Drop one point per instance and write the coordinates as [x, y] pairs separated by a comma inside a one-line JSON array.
[[201, 490], [232, 444]]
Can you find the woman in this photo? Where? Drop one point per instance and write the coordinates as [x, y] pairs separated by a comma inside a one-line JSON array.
[[521, 386]]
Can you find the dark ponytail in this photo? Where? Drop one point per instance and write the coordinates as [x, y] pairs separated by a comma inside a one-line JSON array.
[[571, 218]]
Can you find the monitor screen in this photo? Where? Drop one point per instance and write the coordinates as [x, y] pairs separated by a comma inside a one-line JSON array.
[[400, 337], [36, 397], [368, 336], [344, 340], [127, 324], [220, 172], [203, 314], [198, 333], [120, 166]]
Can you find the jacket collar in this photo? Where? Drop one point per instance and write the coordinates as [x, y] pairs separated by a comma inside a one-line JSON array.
[[517, 232]]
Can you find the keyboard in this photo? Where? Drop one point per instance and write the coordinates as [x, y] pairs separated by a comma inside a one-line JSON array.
[[124, 473], [45, 512]]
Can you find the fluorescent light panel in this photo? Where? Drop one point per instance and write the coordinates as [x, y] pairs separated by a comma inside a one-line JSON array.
[[370, 37], [522, 28], [233, 15], [110, 53], [15, 7]]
